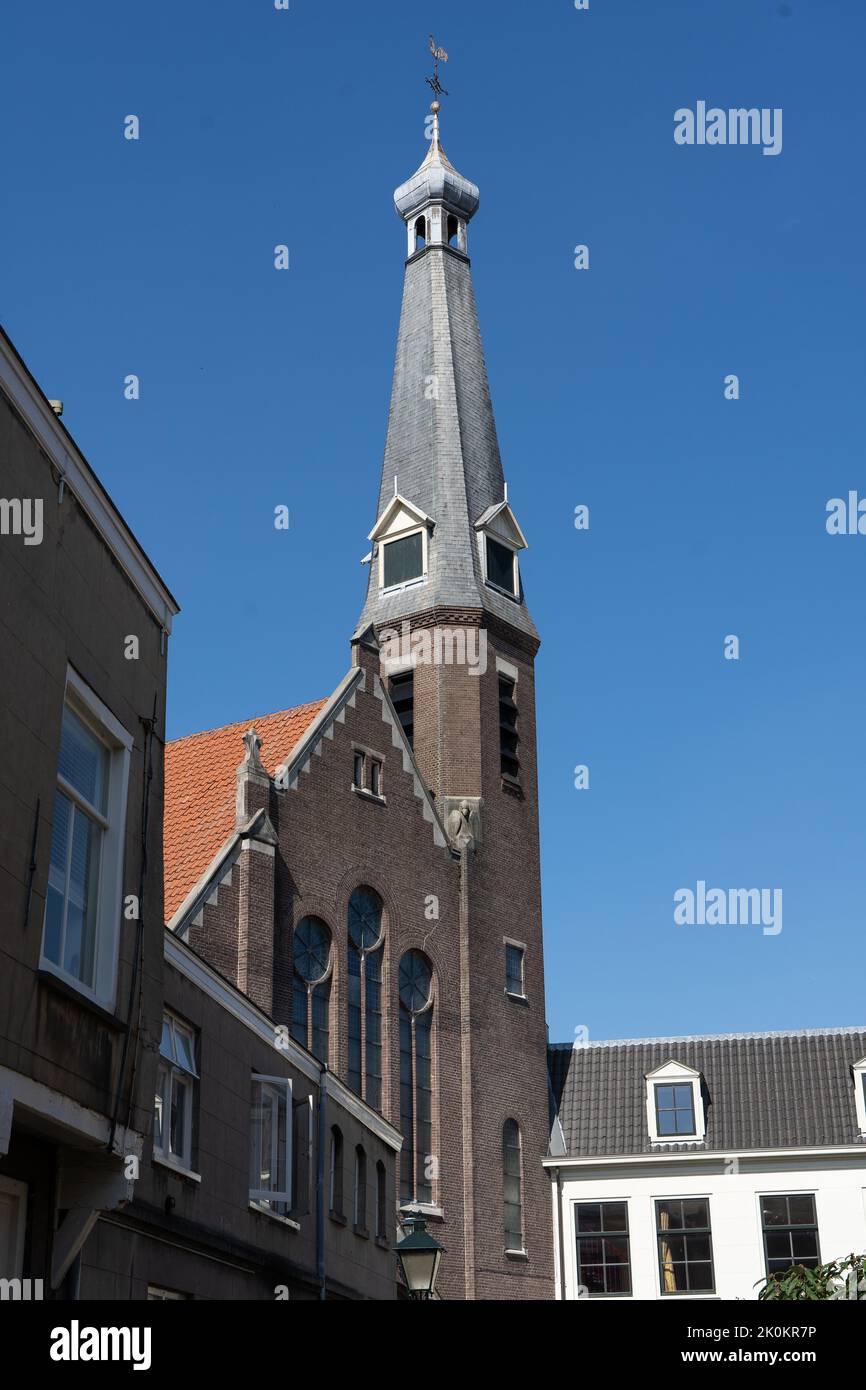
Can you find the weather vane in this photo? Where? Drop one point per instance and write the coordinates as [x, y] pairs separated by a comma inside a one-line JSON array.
[[439, 56]]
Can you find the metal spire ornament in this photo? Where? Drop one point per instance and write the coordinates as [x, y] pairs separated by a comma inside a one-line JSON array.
[[439, 56]]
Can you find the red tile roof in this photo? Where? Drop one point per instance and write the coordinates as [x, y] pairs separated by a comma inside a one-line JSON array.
[[200, 790]]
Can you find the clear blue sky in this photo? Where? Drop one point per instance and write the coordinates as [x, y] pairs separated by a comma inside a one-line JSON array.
[[707, 516]]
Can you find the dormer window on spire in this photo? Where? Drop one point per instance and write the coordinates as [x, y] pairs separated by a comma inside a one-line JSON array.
[[401, 544], [500, 539]]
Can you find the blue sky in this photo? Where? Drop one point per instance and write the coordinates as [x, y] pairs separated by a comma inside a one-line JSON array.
[[707, 516]]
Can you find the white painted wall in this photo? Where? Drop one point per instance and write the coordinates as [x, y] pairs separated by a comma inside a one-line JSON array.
[[839, 1185]]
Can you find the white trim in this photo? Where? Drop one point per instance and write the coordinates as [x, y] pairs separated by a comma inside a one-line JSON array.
[[275, 1216], [859, 1072], [416, 579], [513, 593], [703, 1155], [505, 668], [279, 1088], [163, 1160], [88, 1127], [673, 1073], [78, 476], [395, 503], [98, 718], [357, 1108]]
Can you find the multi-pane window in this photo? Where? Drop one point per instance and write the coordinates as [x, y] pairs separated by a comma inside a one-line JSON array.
[[358, 764], [401, 688], [381, 1201], [367, 772], [603, 1254], [375, 777], [501, 566], [177, 1075], [359, 1204], [335, 1173], [790, 1227], [509, 761], [512, 1185], [675, 1109], [402, 560], [365, 995], [416, 1079], [271, 1144], [685, 1245], [514, 956], [311, 985]]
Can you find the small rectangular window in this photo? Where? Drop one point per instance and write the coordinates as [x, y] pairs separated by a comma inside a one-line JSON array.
[[358, 770], [684, 1245], [402, 691], [603, 1251], [790, 1228], [271, 1144], [501, 566], [675, 1110], [402, 560], [508, 737], [514, 956], [176, 1085], [375, 777]]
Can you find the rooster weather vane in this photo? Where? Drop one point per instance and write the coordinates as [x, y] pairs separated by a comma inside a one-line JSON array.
[[439, 56]]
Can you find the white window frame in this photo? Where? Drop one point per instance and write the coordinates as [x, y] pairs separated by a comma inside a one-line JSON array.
[[402, 536], [521, 947], [16, 1192], [272, 1199], [859, 1070], [86, 705], [675, 1074], [175, 1074], [483, 537]]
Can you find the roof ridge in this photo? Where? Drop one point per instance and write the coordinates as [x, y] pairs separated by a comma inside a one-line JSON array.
[[842, 1030], [245, 723]]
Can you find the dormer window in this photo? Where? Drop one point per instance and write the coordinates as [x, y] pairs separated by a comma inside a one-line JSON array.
[[401, 536], [501, 566], [500, 540], [402, 560], [675, 1104]]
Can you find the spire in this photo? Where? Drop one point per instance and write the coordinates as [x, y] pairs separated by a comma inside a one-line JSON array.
[[442, 494]]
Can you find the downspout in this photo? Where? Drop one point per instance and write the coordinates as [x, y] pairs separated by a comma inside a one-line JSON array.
[[320, 1180], [559, 1234]]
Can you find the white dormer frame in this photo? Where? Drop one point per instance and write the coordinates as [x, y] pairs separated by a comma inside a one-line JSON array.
[[859, 1072], [501, 525], [400, 519], [675, 1074]]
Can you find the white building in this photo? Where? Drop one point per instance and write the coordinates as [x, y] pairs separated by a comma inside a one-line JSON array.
[[693, 1167]]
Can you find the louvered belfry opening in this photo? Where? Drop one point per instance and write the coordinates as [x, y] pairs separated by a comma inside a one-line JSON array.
[[401, 688], [509, 761]]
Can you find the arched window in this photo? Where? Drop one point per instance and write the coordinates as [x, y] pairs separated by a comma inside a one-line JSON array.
[[452, 227], [512, 1185], [335, 1176], [416, 1082], [359, 1202], [381, 1201], [365, 995], [311, 985], [420, 233]]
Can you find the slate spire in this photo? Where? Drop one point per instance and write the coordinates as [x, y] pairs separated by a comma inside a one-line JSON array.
[[442, 489]]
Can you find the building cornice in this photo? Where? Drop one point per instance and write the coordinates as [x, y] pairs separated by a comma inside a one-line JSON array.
[[706, 1156]]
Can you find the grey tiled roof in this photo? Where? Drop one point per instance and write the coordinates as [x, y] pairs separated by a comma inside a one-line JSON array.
[[444, 452], [766, 1090]]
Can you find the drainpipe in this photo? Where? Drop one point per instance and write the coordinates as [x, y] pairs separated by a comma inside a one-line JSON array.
[[559, 1234], [320, 1179]]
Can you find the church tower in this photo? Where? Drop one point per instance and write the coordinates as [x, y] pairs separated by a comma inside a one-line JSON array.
[[446, 611]]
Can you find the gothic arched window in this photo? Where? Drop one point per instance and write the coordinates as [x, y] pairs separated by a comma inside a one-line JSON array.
[[311, 985], [420, 233], [359, 1201], [335, 1172], [365, 995], [512, 1185], [416, 1081]]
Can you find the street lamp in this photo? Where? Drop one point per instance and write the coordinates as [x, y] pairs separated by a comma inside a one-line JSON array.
[[419, 1255]]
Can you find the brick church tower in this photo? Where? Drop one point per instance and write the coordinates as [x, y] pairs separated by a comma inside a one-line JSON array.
[[446, 604], [366, 867]]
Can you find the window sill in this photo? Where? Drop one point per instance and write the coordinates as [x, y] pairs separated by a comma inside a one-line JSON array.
[[362, 1232], [511, 785], [519, 1255], [383, 1243], [78, 993], [517, 998], [338, 1218], [407, 584], [179, 1170], [275, 1216], [497, 589], [368, 795]]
